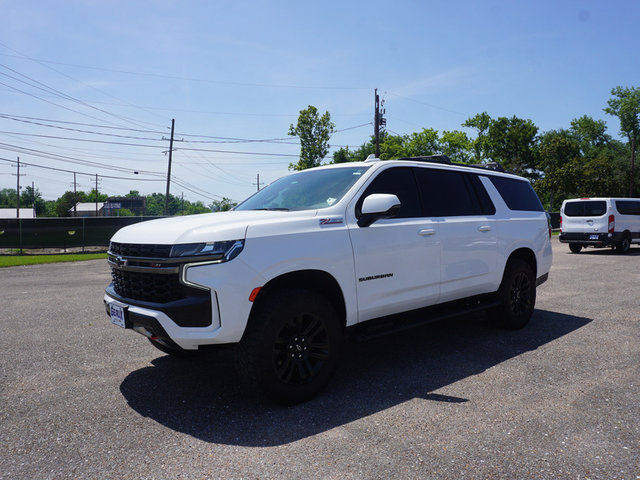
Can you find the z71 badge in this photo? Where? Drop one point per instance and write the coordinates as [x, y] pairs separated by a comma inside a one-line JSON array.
[[331, 221]]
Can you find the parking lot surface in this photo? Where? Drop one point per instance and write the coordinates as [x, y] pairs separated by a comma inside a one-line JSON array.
[[81, 398]]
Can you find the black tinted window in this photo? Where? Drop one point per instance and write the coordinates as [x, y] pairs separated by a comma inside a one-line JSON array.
[[447, 193], [517, 194], [398, 181], [587, 208], [628, 207]]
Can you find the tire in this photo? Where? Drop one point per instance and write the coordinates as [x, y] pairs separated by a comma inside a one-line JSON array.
[[575, 247], [291, 346], [624, 246], [175, 351], [517, 295]]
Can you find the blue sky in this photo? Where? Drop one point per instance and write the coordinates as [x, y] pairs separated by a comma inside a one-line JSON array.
[[243, 70]]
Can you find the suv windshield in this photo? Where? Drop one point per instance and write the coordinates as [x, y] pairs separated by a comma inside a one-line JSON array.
[[591, 208], [306, 190]]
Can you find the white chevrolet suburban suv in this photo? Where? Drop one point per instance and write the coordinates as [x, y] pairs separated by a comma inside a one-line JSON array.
[[328, 253]]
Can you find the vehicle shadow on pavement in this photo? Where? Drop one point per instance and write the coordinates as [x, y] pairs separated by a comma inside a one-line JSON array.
[[633, 252], [201, 396]]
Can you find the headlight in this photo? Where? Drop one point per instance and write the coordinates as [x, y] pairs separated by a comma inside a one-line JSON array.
[[223, 251]]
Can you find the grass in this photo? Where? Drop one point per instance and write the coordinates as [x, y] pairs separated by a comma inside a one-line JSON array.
[[18, 260]]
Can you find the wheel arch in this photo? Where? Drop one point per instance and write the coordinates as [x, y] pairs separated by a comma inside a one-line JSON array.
[[526, 255], [313, 280]]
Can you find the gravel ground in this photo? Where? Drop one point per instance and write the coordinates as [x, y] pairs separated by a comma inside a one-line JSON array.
[[83, 399]]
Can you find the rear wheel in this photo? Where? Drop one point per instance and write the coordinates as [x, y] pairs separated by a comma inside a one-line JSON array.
[[575, 247], [517, 294], [624, 246], [291, 346]]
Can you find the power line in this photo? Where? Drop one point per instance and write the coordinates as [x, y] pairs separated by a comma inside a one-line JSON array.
[[175, 77], [84, 173], [46, 88], [53, 156]]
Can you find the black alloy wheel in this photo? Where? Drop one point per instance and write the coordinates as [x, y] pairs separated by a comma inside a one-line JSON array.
[[517, 295], [291, 346], [301, 349]]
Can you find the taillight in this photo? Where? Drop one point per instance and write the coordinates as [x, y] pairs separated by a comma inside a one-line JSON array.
[[560, 223], [612, 223]]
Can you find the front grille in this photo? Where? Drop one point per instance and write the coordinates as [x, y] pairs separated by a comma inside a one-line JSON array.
[[148, 287], [140, 250]]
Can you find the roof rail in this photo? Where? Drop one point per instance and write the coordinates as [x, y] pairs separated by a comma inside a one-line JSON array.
[[486, 166], [439, 158]]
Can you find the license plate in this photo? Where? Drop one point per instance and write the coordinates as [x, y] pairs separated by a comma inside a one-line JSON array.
[[593, 237], [117, 315]]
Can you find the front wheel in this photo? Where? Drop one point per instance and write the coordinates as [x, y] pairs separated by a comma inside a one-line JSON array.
[[575, 247], [291, 346], [517, 294]]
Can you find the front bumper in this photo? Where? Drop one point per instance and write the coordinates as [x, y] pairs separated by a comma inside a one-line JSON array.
[[187, 322], [592, 239]]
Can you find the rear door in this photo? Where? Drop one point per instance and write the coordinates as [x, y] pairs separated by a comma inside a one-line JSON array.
[[585, 216], [457, 202], [397, 260]]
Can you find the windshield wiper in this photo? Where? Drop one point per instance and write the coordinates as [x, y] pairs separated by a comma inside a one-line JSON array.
[[273, 209]]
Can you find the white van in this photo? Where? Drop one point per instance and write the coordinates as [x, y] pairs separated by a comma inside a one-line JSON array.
[[600, 222]]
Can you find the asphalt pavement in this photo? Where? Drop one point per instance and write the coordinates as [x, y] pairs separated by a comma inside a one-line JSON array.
[[560, 399]]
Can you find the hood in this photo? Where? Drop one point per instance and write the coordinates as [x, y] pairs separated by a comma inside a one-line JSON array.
[[206, 227]]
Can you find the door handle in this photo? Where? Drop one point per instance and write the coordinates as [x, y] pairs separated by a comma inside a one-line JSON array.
[[425, 232], [484, 228]]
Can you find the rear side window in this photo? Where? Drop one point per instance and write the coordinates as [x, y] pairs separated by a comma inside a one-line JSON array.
[[628, 207], [587, 208], [517, 194], [446, 193], [398, 181]]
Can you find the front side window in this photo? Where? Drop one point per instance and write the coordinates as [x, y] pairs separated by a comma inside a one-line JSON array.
[[398, 181], [306, 190]]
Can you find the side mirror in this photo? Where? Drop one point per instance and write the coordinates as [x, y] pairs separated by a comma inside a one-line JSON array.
[[377, 206]]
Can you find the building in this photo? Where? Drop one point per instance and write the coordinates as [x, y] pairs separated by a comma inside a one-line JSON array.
[[87, 209], [11, 213], [136, 205]]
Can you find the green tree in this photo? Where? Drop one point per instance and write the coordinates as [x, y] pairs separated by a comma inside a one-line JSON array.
[[481, 122], [358, 155], [222, 205], [91, 196], [8, 198], [625, 104], [314, 132], [124, 212], [511, 141], [421, 143], [65, 203], [591, 134], [33, 198], [456, 145]]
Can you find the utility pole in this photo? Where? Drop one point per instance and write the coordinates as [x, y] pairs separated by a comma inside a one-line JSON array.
[[182, 195], [378, 121], [75, 196], [166, 197], [376, 125], [257, 181], [96, 194], [18, 175]]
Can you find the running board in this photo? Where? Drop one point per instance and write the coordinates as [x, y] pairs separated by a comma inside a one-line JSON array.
[[404, 321]]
